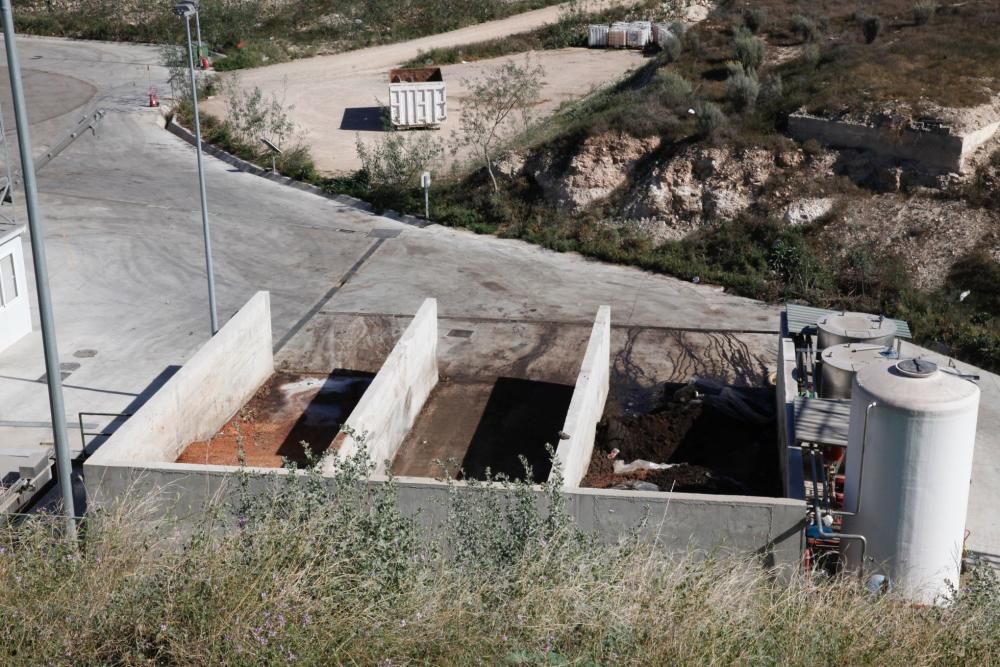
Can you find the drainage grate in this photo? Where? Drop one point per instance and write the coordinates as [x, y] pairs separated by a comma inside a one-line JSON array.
[[65, 370], [459, 333], [85, 354]]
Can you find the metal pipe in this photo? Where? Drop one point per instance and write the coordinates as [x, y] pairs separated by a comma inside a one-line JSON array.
[[861, 461], [818, 518], [35, 225], [201, 183]]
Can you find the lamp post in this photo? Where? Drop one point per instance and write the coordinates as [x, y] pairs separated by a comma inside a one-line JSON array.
[[51, 349], [186, 9]]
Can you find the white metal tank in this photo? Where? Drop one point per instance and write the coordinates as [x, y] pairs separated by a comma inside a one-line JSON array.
[[909, 464], [848, 327], [842, 362]]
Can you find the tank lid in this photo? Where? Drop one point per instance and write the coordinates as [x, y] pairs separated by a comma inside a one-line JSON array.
[[855, 356], [917, 368], [894, 384], [857, 325]]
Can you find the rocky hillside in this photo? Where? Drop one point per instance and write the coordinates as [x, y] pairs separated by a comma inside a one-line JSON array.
[[787, 151]]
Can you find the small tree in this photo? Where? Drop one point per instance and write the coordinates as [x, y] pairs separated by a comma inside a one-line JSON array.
[[871, 27], [251, 115], [499, 104]]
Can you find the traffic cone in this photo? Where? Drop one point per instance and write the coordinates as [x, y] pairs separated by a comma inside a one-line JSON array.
[[154, 101]]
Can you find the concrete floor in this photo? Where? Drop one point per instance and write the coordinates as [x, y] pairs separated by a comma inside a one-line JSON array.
[[469, 429], [127, 268]]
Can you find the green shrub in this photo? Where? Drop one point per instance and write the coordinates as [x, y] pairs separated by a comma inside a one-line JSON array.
[[672, 90], [870, 28], [923, 12], [710, 119], [755, 19], [811, 54], [749, 51], [297, 162], [392, 166], [671, 47], [805, 27], [772, 90], [742, 91]]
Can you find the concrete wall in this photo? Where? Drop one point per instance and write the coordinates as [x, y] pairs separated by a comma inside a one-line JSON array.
[[785, 393], [587, 405], [396, 396], [974, 140], [680, 522], [206, 392], [943, 152], [15, 313]]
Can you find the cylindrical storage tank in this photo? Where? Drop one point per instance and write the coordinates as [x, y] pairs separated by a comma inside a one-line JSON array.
[[909, 464], [842, 362], [847, 327], [597, 36]]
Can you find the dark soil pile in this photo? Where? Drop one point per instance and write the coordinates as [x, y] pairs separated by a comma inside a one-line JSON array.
[[723, 452]]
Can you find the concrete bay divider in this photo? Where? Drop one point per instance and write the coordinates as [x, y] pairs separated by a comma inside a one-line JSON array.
[[390, 405], [207, 391], [587, 404]]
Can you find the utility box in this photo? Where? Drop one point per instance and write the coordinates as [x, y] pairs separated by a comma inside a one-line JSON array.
[[417, 97], [15, 312]]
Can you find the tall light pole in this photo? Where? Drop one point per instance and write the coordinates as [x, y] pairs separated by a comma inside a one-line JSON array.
[[51, 349], [197, 30], [186, 9]]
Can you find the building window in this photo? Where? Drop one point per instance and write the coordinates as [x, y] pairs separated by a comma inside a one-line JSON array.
[[8, 281]]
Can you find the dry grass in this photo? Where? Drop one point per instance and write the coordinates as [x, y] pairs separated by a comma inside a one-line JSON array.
[[316, 575]]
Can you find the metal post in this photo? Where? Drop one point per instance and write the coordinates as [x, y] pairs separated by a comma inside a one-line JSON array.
[[197, 25], [51, 349], [427, 204], [201, 182]]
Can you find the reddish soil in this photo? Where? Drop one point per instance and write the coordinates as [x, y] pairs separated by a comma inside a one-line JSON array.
[[287, 414], [722, 453]]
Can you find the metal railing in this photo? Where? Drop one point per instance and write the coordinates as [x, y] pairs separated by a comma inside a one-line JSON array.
[[98, 434]]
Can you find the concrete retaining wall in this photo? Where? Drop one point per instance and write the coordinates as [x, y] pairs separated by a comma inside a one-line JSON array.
[[201, 396], [587, 405], [680, 522], [396, 396], [944, 152]]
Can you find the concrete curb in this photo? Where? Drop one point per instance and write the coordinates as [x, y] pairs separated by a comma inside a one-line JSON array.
[[247, 167]]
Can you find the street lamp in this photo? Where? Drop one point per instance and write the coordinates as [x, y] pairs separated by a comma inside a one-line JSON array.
[[186, 9], [50, 348]]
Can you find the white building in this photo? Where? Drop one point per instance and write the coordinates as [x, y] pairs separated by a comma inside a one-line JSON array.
[[15, 311]]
